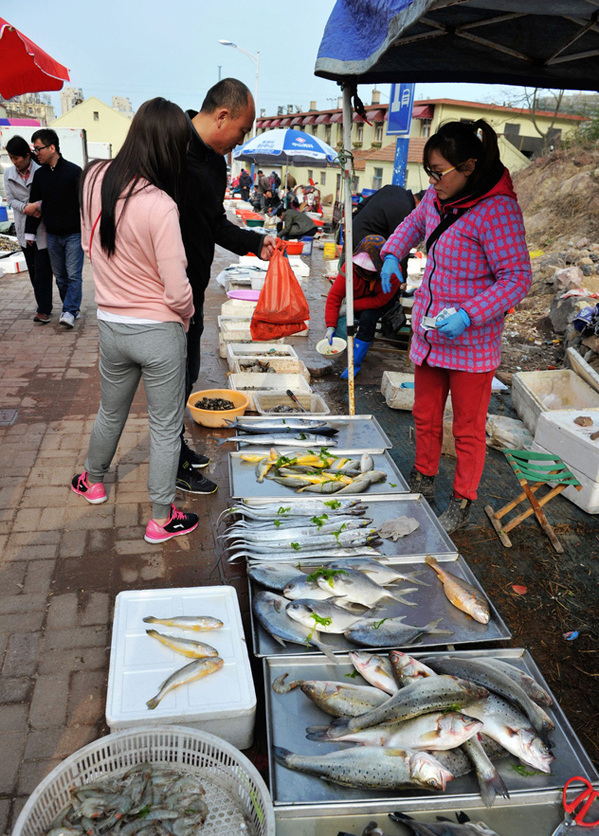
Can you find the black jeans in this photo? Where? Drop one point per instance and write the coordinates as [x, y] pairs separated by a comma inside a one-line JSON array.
[[40, 275], [367, 320]]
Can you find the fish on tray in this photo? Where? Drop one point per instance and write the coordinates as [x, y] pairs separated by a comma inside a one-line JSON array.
[[389, 632], [284, 425], [339, 699], [269, 610], [186, 647], [198, 623], [195, 670], [298, 440], [444, 826], [461, 594]]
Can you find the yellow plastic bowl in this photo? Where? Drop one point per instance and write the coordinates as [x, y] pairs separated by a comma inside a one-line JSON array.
[[217, 417]]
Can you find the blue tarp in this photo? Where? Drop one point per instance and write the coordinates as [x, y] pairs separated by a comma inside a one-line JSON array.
[[537, 43]]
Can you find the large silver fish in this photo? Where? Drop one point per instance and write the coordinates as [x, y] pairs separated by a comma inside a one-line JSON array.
[[379, 572], [339, 699], [406, 669], [535, 691], [371, 767], [273, 576], [282, 425], [299, 440], [489, 780], [303, 588], [485, 674], [327, 617], [375, 669], [436, 693], [359, 588], [389, 632], [269, 610], [299, 508]]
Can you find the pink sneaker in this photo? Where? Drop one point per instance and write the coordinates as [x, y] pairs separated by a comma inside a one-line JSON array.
[[95, 494], [178, 523]]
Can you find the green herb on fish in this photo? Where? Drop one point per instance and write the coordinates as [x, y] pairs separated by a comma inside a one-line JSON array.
[[301, 436], [283, 510], [332, 504], [326, 622], [522, 770], [377, 624], [277, 523], [144, 812], [324, 453], [450, 709], [339, 530], [282, 461], [296, 546], [319, 521], [328, 574], [352, 675]]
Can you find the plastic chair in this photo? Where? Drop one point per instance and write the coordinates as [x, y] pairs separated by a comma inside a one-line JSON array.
[[540, 469]]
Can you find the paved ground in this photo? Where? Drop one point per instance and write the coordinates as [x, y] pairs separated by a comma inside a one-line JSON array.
[[62, 561]]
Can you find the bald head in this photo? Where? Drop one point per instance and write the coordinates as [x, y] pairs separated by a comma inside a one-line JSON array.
[[227, 115]]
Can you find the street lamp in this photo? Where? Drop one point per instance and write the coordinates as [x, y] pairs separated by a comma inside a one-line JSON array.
[[256, 59]]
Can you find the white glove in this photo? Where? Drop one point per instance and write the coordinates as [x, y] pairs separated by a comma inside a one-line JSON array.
[[329, 335]]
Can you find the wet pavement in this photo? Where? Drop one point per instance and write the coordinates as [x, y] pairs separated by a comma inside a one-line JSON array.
[[63, 561]]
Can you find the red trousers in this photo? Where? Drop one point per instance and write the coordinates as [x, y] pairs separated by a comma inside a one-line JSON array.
[[470, 396]]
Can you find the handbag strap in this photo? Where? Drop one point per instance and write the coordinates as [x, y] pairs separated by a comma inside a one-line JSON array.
[[91, 237]]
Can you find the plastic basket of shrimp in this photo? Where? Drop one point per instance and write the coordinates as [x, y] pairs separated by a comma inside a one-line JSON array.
[[181, 780]]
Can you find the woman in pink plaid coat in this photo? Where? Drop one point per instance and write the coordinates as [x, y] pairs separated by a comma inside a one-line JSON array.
[[477, 268]]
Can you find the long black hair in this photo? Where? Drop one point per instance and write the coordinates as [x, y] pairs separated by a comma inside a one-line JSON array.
[[154, 150], [458, 142]]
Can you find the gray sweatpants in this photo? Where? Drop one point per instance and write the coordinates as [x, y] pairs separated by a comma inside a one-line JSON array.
[[155, 353]]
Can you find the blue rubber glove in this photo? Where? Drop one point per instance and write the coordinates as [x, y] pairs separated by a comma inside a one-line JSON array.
[[454, 325], [390, 268], [330, 334]]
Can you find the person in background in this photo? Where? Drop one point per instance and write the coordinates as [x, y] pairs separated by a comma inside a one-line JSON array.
[[17, 185], [245, 182], [262, 186], [226, 116], [477, 268], [130, 224], [55, 197], [370, 300], [293, 223], [290, 182]]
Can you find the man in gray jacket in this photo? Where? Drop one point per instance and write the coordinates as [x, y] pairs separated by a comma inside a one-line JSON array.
[[17, 185]]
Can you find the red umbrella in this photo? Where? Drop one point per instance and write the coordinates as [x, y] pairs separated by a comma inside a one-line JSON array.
[[24, 67]]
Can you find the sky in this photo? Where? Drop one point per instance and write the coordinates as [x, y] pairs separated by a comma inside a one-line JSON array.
[[148, 48]]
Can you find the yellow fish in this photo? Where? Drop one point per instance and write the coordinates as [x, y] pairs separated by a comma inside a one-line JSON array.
[[189, 673], [187, 647], [187, 622]]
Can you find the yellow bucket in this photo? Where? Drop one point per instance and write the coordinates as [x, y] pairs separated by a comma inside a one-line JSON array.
[[330, 250]]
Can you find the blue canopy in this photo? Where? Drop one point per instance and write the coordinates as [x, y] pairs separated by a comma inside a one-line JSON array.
[[536, 43], [285, 146]]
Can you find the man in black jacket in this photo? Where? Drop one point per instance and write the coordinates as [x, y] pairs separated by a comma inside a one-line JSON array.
[[226, 116], [55, 195]]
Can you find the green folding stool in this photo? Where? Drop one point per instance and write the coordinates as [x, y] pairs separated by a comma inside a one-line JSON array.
[[539, 469]]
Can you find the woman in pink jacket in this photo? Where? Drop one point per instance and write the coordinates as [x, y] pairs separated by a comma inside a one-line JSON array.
[[130, 230], [477, 268], [370, 300]]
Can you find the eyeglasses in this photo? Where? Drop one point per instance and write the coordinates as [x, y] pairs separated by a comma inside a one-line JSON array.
[[437, 175], [37, 148]]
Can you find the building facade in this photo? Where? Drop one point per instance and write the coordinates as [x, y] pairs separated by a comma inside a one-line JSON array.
[[102, 124]]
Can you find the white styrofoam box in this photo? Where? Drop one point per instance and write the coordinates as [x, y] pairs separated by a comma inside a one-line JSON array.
[[237, 307], [249, 383], [279, 365], [588, 497], [557, 432], [14, 263], [299, 267], [223, 703], [548, 391], [398, 398], [263, 349], [265, 402], [583, 369], [252, 261]]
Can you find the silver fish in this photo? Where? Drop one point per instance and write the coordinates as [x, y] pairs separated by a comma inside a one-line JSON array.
[[273, 576], [303, 588], [489, 780], [436, 731], [358, 537], [188, 673], [406, 669], [285, 555], [535, 691], [364, 481], [366, 463], [298, 440], [269, 609], [282, 425], [327, 617], [485, 674], [332, 486], [389, 632], [379, 572], [375, 669], [443, 828], [339, 699], [433, 694], [358, 587], [285, 532], [512, 730], [371, 767]]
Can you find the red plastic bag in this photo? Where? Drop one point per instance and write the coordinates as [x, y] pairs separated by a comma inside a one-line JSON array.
[[282, 308]]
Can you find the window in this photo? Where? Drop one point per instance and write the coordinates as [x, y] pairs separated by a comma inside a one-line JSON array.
[[340, 133], [378, 136], [323, 178], [327, 134], [96, 116], [310, 175], [377, 179], [360, 133], [355, 184], [314, 130], [425, 127]]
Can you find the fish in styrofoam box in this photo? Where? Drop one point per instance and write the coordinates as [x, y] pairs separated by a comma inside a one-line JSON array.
[[223, 703]]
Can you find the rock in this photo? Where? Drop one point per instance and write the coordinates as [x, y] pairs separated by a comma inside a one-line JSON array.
[[563, 311], [592, 343], [586, 259], [582, 242], [588, 270], [568, 277]]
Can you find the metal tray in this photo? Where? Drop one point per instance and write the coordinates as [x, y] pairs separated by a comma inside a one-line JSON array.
[[243, 485], [532, 814], [306, 795], [431, 604], [429, 538], [356, 432]]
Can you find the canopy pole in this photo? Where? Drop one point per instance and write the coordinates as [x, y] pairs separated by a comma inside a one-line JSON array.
[[346, 160]]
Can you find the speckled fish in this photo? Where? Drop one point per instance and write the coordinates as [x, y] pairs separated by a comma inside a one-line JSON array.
[[389, 632], [273, 576], [462, 594], [485, 674], [371, 767], [195, 670], [186, 647], [375, 669], [436, 693], [436, 731], [535, 691], [198, 623], [489, 780], [443, 826], [339, 699]]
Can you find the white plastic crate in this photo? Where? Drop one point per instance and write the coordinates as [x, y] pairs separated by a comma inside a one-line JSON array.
[[258, 349], [549, 391], [236, 795], [237, 307], [279, 365], [249, 384], [223, 703], [265, 402]]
